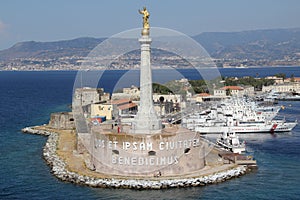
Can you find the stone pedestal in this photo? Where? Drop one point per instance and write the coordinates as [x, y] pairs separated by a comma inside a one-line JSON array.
[[173, 152], [146, 120]]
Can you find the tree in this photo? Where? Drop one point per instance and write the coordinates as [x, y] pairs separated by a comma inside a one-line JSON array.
[[161, 89], [228, 92], [281, 75], [199, 86], [292, 78]]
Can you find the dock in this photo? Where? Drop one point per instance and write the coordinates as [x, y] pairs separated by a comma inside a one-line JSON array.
[[238, 159]]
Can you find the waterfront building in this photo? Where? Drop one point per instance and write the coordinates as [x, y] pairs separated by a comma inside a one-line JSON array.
[[87, 96], [234, 91], [102, 109], [248, 90], [277, 80], [133, 92], [294, 79], [123, 107], [168, 103], [220, 93], [285, 87], [199, 98]]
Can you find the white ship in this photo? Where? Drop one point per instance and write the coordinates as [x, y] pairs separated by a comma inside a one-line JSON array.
[[247, 127], [240, 116], [283, 126], [231, 142], [244, 128]]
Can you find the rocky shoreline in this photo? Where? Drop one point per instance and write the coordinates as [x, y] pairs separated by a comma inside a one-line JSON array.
[[58, 168]]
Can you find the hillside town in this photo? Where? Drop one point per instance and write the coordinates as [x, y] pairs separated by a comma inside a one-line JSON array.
[[76, 62]]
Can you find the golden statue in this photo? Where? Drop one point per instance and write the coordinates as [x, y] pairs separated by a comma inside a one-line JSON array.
[[146, 15]]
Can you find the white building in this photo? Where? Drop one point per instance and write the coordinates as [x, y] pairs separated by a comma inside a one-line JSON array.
[[278, 80], [220, 93], [289, 87], [248, 90], [234, 90], [132, 93]]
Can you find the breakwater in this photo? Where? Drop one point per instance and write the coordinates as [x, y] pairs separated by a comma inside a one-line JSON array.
[[59, 169]]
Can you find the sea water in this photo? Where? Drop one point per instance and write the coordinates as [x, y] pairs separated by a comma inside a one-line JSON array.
[[28, 98]]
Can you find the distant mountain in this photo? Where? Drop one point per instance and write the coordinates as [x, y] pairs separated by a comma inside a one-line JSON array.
[[256, 46], [50, 50]]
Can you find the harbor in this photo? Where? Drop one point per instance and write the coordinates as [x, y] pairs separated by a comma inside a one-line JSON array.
[[149, 100], [227, 158], [110, 141], [140, 140], [100, 149], [275, 154]]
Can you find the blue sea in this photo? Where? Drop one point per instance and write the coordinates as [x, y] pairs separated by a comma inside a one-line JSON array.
[[28, 98]]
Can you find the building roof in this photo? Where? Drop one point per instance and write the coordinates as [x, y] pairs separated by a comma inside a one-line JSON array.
[[127, 106], [296, 79], [232, 87], [120, 101], [204, 94]]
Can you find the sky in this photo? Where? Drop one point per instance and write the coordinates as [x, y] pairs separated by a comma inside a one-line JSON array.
[[41, 20]]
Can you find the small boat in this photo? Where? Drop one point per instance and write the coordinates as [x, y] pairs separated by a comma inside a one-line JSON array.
[[230, 141]]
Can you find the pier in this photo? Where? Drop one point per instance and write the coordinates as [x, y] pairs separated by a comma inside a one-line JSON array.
[[238, 159]]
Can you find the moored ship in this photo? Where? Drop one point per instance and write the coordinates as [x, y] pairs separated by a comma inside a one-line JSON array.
[[240, 116], [230, 141]]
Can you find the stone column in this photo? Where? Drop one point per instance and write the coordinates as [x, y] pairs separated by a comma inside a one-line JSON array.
[[146, 120]]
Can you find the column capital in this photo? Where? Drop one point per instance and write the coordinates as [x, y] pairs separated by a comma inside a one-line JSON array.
[[145, 40]]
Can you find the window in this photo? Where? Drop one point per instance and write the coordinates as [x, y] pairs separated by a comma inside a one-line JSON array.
[[115, 151], [151, 153], [187, 150]]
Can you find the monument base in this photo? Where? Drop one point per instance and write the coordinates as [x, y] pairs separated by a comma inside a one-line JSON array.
[[172, 152], [146, 125]]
